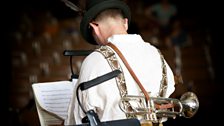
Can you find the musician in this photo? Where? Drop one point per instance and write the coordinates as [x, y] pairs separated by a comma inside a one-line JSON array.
[[107, 21]]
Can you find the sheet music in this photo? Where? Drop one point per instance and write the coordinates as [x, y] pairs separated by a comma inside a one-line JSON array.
[[54, 97]]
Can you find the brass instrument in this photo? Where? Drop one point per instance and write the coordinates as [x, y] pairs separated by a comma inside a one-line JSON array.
[[159, 107]]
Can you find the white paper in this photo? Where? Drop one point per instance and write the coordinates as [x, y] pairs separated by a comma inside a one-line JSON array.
[[54, 97]]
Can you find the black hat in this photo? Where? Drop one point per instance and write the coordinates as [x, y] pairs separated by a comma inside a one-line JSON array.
[[94, 7]]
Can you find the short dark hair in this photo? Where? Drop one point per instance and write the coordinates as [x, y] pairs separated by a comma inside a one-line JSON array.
[[113, 12]]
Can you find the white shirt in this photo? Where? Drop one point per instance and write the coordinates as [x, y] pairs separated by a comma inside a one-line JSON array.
[[145, 61]]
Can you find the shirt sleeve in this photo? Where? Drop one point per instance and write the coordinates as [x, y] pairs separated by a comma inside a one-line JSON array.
[[93, 66], [171, 82]]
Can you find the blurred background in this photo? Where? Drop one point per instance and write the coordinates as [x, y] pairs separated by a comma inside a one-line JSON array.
[[36, 32]]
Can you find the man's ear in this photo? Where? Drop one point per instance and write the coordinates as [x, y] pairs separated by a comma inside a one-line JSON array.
[[94, 27], [126, 23]]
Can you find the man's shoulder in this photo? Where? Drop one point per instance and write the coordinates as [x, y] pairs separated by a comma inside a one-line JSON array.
[[95, 60]]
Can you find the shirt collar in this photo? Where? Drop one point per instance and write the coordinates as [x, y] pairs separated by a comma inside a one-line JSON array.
[[125, 38]]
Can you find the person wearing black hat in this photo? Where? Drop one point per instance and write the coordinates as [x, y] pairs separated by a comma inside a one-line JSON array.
[[103, 22]]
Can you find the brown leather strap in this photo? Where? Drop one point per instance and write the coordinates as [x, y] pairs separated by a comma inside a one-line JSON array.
[[130, 70], [164, 106]]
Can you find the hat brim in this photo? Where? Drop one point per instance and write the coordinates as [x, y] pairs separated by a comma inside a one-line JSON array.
[[93, 11]]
